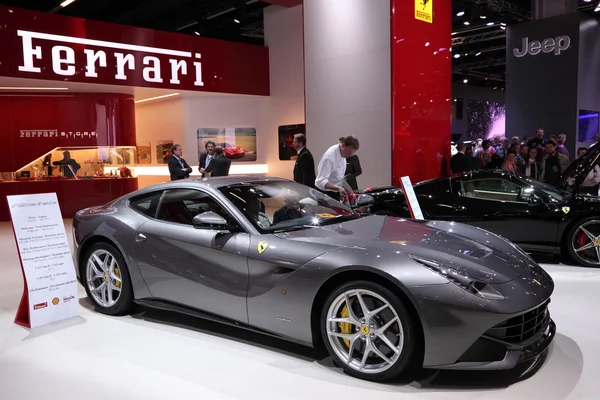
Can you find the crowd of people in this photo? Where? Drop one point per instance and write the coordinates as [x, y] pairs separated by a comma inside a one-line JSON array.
[[541, 158]]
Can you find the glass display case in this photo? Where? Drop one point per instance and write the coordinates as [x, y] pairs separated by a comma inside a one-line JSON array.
[[81, 163]]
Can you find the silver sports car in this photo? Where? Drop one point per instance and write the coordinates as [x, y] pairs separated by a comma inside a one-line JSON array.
[[382, 294]]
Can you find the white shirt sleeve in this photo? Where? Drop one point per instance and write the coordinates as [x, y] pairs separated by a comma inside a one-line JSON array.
[[324, 171]]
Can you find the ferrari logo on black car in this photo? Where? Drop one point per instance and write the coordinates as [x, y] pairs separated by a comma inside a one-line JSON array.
[[566, 209], [262, 246]]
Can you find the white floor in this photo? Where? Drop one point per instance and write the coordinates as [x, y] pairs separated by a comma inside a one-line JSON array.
[[175, 358]]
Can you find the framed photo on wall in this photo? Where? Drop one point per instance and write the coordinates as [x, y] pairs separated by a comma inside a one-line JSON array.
[[144, 153], [163, 151], [285, 138], [238, 144]]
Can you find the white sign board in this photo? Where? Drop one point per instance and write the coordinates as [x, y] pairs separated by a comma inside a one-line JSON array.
[[411, 198], [50, 281]]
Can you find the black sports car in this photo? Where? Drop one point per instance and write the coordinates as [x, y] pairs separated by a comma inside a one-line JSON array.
[[537, 217]]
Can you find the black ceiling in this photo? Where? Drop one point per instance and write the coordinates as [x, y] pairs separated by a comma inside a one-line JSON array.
[[480, 46], [210, 18]]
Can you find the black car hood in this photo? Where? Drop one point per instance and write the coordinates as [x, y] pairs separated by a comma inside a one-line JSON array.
[[477, 252]]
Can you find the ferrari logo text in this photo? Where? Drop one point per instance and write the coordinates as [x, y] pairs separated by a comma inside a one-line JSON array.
[[262, 246], [424, 10]]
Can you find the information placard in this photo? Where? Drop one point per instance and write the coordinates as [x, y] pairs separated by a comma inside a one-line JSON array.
[[411, 198], [50, 293]]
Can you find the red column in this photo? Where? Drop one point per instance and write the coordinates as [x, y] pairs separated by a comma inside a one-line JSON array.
[[421, 90]]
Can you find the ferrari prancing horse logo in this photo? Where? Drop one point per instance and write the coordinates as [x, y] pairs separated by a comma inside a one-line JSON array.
[[262, 246], [566, 209]]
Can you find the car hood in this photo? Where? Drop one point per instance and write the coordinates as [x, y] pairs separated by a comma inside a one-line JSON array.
[[481, 254]]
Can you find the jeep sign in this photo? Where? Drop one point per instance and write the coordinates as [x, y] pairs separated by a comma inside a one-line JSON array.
[[549, 45]]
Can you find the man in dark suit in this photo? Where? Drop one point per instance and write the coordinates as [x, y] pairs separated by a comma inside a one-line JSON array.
[[304, 169], [219, 165], [459, 161], [353, 170], [178, 167], [205, 157]]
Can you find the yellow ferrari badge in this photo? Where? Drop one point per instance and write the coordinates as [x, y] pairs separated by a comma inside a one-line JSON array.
[[566, 209], [424, 10], [262, 246]]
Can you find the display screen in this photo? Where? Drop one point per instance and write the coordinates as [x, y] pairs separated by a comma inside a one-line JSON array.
[[239, 144], [486, 119], [286, 140], [588, 126]]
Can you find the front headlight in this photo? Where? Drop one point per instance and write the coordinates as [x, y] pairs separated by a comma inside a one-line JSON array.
[[461, 279]]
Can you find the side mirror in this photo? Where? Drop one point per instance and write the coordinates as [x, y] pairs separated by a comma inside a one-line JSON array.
[[363, 200], [209, 219]]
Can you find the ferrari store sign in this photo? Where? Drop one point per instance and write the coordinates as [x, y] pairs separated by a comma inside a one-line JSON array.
[[424, 10]]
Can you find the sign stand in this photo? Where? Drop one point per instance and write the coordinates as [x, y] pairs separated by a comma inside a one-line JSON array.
[[411, 198], [49, 279]]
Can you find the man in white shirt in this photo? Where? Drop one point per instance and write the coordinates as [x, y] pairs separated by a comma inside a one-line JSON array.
[[332, 167]]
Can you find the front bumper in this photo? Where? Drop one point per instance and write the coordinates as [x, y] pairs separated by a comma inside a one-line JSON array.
[[492, 354]]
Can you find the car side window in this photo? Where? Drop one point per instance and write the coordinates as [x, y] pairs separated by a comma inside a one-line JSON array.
[[182, 205], [146, 204], [493, 189]]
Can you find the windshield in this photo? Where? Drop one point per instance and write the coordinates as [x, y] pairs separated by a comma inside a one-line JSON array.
[[283, 205], [550, 191]]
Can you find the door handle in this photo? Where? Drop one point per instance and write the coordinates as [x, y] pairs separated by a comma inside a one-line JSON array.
[[140, 237]]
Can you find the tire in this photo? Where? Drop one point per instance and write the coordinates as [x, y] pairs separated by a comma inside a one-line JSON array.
[[95, 275], [576, 238], [362, 333]]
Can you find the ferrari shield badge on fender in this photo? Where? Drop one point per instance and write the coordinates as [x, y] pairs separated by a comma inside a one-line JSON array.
[[566, 209], [262, 246]]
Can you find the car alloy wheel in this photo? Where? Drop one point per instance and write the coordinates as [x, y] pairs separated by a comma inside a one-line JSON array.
[[367, 331], [585, 243], [107, 281]]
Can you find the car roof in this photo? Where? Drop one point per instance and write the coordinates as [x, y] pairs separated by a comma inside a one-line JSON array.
[[208, 183]]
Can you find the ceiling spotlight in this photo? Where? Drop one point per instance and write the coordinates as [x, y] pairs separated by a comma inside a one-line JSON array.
[[460, 14], [466, 81], [236, 21]]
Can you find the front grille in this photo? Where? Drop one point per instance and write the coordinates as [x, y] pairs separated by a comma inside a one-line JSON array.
[[522, 327]]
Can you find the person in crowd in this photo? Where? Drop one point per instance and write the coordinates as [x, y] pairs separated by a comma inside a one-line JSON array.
[[530, 166], [178, 167], [538, 142], [516, 147], [523, 154], [499, 147], [553, 164], [205, 157], [459, 162], [304, 168], [472, 161], [486, 154], [581, 151], [353, 170], [510, 163], [526, 140], [332, 168], [562, 149], [219, 164], [516, 140]]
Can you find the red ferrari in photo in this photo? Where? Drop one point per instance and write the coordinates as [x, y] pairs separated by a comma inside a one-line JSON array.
[[232, 151]]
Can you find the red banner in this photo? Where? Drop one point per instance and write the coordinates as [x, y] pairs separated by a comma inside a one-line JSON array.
[[53, 47]]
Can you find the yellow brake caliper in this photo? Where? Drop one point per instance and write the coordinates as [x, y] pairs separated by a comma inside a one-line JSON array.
[[346, 327], [118, 273]]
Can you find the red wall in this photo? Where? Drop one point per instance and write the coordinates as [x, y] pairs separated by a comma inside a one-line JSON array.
[[421, 91], [108, 120]]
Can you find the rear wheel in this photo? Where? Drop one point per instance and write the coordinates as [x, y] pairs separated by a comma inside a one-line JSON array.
[[106, 279], [368, 331], [583, 242]]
